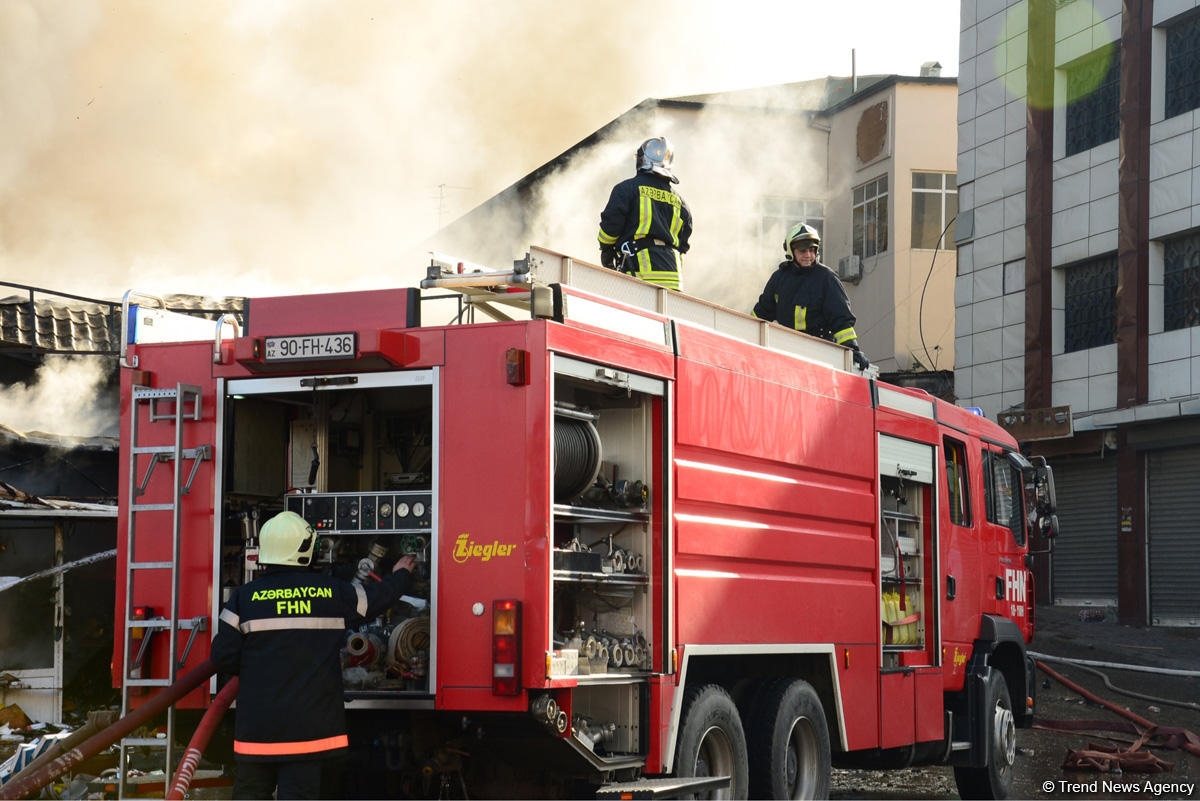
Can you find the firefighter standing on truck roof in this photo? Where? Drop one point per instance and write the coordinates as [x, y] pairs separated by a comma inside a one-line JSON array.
[[282, 634], [806, 295], [646, 225]]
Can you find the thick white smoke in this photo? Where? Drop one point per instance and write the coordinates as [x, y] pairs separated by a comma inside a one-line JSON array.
[[235, 148], [68, 396]]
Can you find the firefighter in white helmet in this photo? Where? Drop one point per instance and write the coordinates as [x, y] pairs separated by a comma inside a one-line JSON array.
[[646, 225], [282, 634], [806, 295]]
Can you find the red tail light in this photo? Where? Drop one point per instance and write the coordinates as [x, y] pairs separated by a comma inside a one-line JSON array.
[[506, 647]]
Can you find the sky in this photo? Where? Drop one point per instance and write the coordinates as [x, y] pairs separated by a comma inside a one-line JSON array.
[[283, 146]]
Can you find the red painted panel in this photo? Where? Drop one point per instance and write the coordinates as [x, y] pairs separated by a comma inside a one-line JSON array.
[[931, 722], [897, 696], [494, 491], [166, 366], [858, 678], [662, 697], [327, 313]]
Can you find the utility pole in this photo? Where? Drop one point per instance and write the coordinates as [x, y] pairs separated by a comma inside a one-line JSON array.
[[441, 200]]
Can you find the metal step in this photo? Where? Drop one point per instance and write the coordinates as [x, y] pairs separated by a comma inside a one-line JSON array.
[[664, 788]]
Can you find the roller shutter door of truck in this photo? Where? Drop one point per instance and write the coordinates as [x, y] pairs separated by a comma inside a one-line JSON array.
[[1085, 552], [1174, 480]]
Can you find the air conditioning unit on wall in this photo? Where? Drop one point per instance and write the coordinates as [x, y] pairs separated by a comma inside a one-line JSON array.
[[849, 269]]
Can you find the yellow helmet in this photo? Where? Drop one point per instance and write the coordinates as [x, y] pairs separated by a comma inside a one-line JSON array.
[[802, 233], [286, 539]]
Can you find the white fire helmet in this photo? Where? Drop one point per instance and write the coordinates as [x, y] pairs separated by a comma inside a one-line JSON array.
[[286, 539]]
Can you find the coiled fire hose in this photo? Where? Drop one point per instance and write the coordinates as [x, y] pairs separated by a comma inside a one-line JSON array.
[[22, 785]]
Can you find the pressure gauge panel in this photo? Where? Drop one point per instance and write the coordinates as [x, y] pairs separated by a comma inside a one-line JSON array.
[[360, 512]]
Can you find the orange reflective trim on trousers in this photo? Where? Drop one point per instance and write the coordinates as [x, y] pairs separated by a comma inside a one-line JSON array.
[[286, 749]]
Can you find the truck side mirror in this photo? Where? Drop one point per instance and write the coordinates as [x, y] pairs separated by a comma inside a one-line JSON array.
[[1049, 526]]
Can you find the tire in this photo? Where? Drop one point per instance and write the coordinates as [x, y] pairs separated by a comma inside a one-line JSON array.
[[789, 743], [712, 742], [993, 780]]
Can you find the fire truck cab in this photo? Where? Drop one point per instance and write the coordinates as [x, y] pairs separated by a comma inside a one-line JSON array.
[[662, 546]]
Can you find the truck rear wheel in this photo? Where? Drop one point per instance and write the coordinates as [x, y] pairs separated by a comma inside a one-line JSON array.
[[789, 743], [993, 780], [712, 742]]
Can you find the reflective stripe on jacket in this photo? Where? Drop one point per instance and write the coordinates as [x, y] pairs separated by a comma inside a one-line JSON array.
[[283, 634], [810, 299], [645, 213]]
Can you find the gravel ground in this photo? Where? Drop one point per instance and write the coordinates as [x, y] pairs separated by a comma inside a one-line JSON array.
[[1063, 632]]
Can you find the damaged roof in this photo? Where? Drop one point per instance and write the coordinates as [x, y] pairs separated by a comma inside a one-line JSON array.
[[45, 321], [16, 500]]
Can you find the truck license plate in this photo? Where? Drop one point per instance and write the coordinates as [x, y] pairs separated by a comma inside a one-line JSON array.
[[310, 346]]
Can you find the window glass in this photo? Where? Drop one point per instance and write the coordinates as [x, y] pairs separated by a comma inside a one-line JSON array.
[[1093, 98], [1183, 66], [1003, 490], [1090, 304], [870, 217], [956, 482], [934, 206], [1181, 282]]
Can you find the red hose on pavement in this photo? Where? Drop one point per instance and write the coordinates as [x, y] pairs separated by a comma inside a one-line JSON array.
[[22, 785], [208, 724]]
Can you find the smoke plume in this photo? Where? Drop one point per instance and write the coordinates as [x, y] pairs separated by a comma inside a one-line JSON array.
[[69, 396]]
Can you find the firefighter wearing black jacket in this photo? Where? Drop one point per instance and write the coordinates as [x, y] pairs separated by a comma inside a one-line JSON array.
[[806, 295], [646, 225], [282, 634]]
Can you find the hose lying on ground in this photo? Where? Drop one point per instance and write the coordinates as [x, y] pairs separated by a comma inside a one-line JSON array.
[[1181, 738], [26, 782], [1084, 664]]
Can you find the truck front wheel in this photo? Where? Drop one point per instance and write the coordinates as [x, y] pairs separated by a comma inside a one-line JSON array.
[[712, 742], [789, 743], [993, 780]]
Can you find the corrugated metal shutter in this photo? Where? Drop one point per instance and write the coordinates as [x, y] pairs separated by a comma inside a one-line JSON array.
[[1085, 552], [1174, 480]]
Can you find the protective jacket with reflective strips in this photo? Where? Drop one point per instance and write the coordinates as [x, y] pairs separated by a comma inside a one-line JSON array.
[[282, 634], [654, 220], [810, 299]]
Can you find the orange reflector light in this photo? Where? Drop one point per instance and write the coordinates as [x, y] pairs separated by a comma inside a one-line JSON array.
[[506, 647]]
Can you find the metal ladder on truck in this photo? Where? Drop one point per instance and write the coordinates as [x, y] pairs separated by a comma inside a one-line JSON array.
[[175, 406]]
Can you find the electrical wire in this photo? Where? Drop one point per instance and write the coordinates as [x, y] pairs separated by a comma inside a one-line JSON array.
[[921, 307]]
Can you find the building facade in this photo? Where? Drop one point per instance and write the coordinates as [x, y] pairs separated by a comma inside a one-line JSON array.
[[1078, 284]]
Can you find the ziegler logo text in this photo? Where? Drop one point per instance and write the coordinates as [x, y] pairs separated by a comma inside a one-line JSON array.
[[465, 548]]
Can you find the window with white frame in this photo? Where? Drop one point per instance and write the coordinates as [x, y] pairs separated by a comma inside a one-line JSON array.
[[1090, 303], [1181, 282], [1093, 99], [1182, 73], [870, 217], [934, 207], [779, 214]]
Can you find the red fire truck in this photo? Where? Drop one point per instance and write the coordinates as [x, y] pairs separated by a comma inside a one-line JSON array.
[[663, 547]]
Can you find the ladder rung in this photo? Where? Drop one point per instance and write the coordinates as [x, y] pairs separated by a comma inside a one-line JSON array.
[[150, 565], [152, 623], [152, 507], [153, 449], [147, 682], [153, 742]]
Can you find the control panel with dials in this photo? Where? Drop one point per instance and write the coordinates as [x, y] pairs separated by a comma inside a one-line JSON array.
[[363, 512]]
